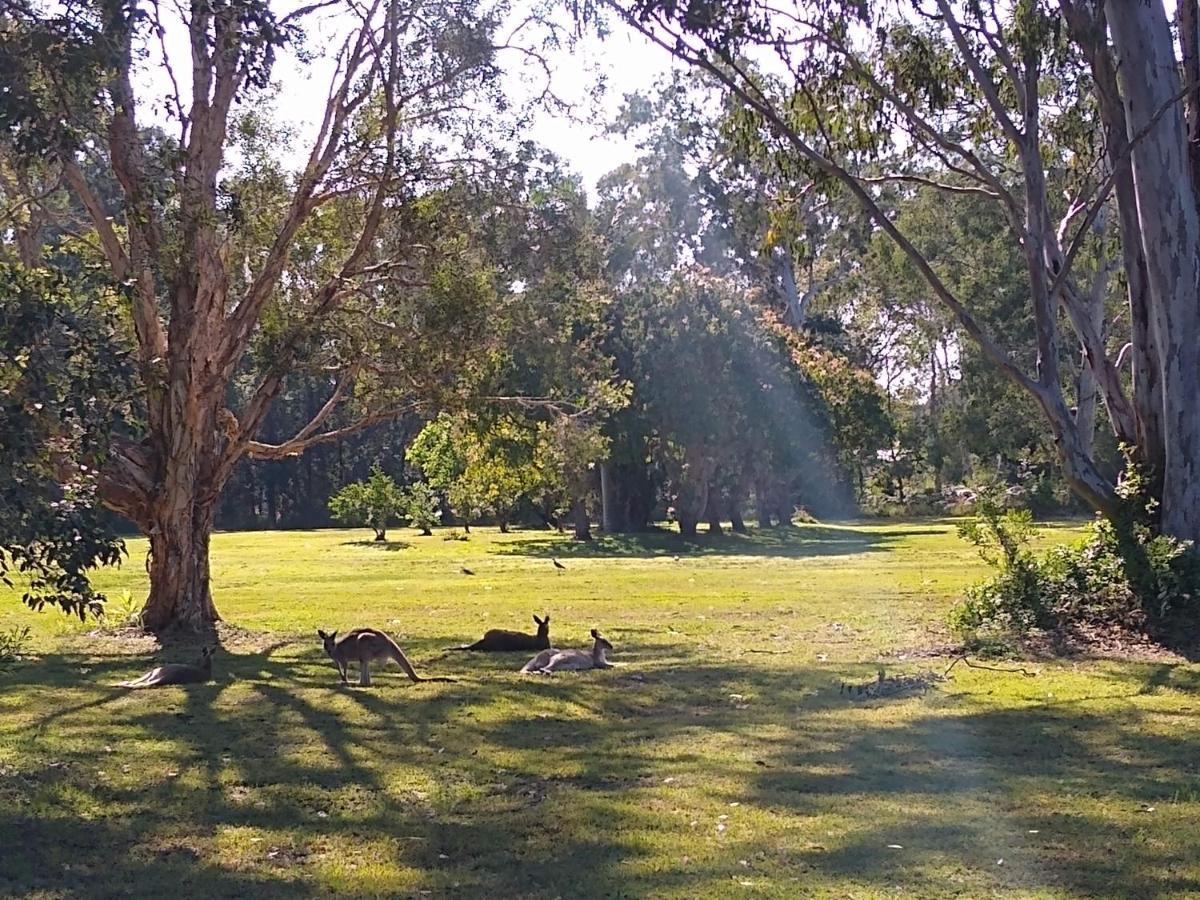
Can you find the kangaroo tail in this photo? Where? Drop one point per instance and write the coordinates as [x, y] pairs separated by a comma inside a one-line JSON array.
[[398, 655]]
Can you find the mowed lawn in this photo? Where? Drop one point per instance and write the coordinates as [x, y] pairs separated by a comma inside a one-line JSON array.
[[718, 759]]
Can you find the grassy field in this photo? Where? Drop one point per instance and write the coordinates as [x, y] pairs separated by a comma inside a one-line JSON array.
[[718, 759]]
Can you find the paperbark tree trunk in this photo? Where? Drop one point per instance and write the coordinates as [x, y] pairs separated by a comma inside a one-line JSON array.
[[180, 592]]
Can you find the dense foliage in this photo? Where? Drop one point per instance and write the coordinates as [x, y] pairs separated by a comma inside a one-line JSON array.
[[375, 502], [1120, 575], [64, 389]]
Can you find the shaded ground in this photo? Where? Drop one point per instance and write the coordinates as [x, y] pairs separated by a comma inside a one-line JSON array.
[[718, 760]]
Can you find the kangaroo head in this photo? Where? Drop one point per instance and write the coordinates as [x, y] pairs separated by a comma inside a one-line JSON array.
[[601, 641], [329, 640], [543, 626]]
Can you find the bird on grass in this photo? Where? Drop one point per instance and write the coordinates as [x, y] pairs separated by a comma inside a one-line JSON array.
[[466, 571], [557, 564]]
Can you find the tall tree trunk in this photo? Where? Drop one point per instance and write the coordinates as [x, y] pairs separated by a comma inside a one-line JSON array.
[[180, 592], [1089, 31], [737, 497], [691, 485], [1087, 386], [579, 515], [1169, 218], [712, 512], [934, 413], [1085, 410], [762, 503], [783, 275], [612, 508]]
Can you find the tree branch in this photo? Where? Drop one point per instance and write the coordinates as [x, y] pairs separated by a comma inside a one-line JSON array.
[[297, 445]]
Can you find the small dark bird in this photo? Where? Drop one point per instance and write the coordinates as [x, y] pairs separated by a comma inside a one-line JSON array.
[[466, 571], [557, 564]]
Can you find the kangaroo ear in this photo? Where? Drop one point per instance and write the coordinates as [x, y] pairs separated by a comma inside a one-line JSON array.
[[321, 634], [537, 621], [595, 633]]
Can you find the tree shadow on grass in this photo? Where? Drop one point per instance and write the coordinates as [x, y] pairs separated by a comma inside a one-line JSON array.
[[506, 786], [391, 546], [795, 542]]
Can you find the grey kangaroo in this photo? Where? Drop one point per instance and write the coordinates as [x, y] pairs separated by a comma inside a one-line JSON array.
[[497, 640], [176, 673], [550, 661], [363, 645]]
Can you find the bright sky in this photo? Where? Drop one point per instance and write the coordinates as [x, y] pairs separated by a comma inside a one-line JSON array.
[[625, 60]]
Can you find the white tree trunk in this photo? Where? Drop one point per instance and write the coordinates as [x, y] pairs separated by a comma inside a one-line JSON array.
[[1169, 216]]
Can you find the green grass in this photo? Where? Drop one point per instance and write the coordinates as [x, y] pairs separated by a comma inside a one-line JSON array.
[[729, 766]]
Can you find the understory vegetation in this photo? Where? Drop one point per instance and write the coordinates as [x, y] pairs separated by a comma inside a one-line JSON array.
[[1114, 577]]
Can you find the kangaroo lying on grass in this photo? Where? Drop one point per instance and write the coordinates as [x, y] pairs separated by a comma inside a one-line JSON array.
[[176, 673], [364, 645], [552, 660], [497, 640]]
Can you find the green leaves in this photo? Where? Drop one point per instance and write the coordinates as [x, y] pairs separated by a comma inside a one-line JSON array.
[[65, 387], [374, 502], [485, 468]]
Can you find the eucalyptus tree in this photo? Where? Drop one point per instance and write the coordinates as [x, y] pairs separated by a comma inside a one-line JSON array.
[[350, 265], [1009, 100]]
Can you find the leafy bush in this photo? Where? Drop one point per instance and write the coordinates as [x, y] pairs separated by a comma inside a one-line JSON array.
[[122, 614], [422, 507], [373, 502], [1122, 575], [1013, 599], [12, 645]]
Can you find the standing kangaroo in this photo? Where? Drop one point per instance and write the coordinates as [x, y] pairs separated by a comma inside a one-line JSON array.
[[176, 673], [365, 645], [550, 661], [497, 640]]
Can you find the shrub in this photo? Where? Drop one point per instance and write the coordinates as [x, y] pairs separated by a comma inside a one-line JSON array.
[[373, 502], [422, 507], [1013, 600], [12, 645], [1117, 574], [120, 615]]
